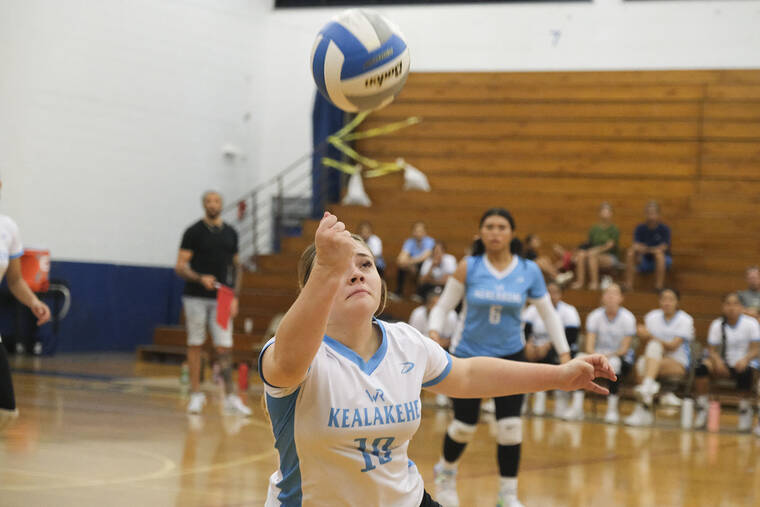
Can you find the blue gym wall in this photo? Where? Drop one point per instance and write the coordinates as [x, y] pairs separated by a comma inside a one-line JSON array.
[[113, 307]]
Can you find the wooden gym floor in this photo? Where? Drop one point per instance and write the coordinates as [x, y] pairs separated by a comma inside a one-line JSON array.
[[106, 430]]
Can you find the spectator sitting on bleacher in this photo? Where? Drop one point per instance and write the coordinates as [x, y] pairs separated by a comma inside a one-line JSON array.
[[540, 349], [550, 269], [732, 343], [609, 331], [600, 252], [414, 252], [436, 270], [374, 244], [750, 298], [651, 248], [668, 333]]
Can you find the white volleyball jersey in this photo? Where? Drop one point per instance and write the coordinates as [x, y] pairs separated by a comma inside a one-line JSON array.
[[738, 337], [343, 433], [680, 326], [567, 314], [10, 244], [610, 333], [420, 317]]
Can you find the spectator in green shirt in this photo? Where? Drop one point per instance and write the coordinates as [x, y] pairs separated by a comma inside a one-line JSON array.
[[601, 250]]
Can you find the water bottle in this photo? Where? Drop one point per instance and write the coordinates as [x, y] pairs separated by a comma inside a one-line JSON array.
[[687, 413], [713, 417], [184, 379], [243, 377]]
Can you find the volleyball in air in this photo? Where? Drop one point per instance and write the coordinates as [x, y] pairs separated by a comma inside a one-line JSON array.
[[360, 61]]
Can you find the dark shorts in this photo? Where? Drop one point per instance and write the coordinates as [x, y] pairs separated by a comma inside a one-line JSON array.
[[427, 501], [647, 263]]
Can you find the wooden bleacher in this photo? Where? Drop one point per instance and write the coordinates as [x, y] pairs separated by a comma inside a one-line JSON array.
[[550, 146]]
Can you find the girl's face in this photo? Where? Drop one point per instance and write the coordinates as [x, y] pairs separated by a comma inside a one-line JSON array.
[[535, 243], [605, 213], [732, 307], [496, 233], [668, 302], [365, 231], [361, 292], [612, 297]]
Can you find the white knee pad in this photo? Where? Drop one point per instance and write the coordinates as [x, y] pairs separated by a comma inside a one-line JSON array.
[[617, 364], [654, 349], [509, 431], [7, 416], [461, 432]]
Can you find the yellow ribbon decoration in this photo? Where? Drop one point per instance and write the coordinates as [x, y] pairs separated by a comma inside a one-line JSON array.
[[344, 134]]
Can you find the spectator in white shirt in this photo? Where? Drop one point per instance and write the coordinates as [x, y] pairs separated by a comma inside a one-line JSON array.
[[436, 269]]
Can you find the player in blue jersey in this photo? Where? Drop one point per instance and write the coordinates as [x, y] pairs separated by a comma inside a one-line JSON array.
[[343, 388], [495, 283]]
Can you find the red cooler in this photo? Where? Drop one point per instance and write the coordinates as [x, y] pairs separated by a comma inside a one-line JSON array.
[[35, 268]]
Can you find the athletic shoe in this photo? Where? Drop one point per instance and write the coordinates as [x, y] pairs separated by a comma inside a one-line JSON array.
[[197, 402], [700, 420], [670, 400], [612, 416], [234, 405], [573, 413], [37, 350], [565, 277], [745, 421], [508, 500], [640, 417], [488, 406], [539, 403], [7, 416], [445, 486], [441, 401], [645, 392]]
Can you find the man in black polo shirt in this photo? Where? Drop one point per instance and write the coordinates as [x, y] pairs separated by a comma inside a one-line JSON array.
[[208, 256], [651, 248]]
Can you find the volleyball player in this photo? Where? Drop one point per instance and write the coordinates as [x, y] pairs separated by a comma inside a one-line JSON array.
[[733, 341], [495, 284], [609, 331], [539, 347], [343, 389], [11, 250], [668, 333]]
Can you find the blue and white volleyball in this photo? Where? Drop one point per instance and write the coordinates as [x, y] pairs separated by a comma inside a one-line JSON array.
[[360, 61]]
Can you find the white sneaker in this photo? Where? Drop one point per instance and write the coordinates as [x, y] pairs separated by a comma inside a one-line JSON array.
[[612, 416], [640, 417], [539, 403], [197, 402], [573, 413], [700, 420], [488, 406], [233, 404], [670, 400], [510, 500], [445, 486], [563, 278], [441, 401], [645, 392], [745, 421]]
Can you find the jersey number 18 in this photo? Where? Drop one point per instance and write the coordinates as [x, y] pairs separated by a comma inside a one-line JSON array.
[[379, 450]]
